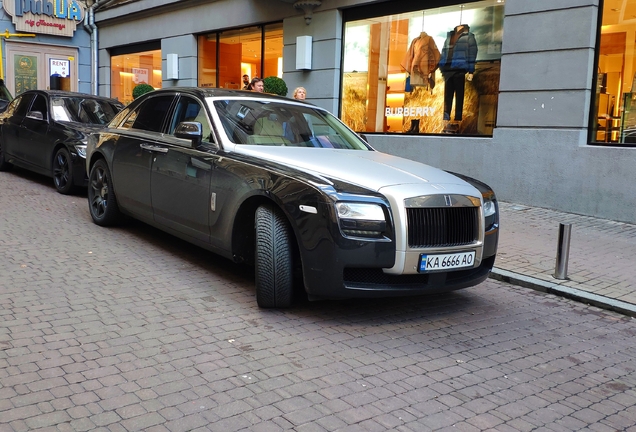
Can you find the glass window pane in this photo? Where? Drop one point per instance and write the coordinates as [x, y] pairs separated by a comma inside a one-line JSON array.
[[273, 61], [614, 111], [129, 70], [152, 113], [427, 71], [239, 54], [40, 105], [255, 122], [207, 60], [23, 105], [190, 110]]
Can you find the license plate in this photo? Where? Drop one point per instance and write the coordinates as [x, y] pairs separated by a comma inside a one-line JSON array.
[[446, 261]]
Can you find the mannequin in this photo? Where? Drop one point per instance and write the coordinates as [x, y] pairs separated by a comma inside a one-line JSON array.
[[421, 60], [457, 64]]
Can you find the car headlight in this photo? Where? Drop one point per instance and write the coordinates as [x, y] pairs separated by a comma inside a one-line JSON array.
[[81, 150], [490, 209], [361, 219]]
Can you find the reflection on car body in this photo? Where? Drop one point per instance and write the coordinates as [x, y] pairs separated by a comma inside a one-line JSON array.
[[45, 131], [287, 187], [5, 96]]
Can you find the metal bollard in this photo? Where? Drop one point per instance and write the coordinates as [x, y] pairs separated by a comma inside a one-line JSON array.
[[563, 252]]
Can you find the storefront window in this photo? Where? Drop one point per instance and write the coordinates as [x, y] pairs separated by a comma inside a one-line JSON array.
[[427, 71], [273, 52], [129, 70], [614, 111], [242, 54]]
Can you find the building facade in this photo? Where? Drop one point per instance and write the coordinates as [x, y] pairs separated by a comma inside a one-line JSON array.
[[532, 97], [44, 45]]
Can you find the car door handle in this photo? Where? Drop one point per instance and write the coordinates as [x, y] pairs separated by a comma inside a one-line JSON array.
[[153, 148]]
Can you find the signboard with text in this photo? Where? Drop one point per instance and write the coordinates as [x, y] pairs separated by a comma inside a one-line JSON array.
[[59, 67], [140, 76], [25, 73], [52, 17]]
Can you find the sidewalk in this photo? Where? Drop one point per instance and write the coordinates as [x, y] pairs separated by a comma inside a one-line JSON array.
[[602, 256]]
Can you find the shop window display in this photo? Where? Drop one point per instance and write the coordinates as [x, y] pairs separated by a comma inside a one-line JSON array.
[[432, 71], [243, 54], [613, 120], [129, 70]]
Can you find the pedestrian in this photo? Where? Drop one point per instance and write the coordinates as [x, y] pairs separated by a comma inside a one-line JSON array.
[[246, 81], [300, 93], [256, 85]]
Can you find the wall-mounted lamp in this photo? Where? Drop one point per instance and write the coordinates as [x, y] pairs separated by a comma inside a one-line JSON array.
[[308, 7], [303, 52], [172, 66]]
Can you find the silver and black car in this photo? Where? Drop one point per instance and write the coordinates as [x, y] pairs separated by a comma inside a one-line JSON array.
[[287, 187], [46, 130]]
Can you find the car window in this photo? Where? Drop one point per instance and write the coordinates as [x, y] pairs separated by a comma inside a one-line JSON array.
[[11, 108], [81, 109], [260, 122], [96, 111], [119, 117], [152, 113], [23, 104], [130, 120], [189, 109], [40, 105]]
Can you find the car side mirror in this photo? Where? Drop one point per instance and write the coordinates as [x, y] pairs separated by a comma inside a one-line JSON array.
[[364, 138], [35, 115], [192, 131]]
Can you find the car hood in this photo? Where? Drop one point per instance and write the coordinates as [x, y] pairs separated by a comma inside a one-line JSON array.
[[369, 169]]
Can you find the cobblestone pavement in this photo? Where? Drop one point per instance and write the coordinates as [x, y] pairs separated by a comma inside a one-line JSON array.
[[130, 329], [601, 254]]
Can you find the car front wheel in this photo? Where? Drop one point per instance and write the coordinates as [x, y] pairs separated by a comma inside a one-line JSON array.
[[63, 171], [101, 196], [273, 258]]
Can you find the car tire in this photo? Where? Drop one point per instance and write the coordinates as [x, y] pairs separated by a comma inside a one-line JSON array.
[[4, 165], [63, 171], [102, 202], [273, 259]]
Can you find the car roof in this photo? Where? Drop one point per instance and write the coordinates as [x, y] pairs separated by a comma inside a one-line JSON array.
[[219, 92], [64, 93]]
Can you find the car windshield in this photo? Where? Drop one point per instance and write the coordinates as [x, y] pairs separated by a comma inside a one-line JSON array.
[[82, 110], [265, 122]]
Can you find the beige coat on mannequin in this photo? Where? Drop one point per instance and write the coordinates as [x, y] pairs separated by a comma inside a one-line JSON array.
[[421, 59]]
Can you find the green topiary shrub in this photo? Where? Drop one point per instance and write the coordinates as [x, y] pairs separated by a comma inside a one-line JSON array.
[[141, 89], [275, 85]]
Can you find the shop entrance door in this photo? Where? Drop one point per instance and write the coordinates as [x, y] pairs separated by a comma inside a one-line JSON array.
[[42, 67]]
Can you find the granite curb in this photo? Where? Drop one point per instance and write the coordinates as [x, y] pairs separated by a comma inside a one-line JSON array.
[[563, 291]]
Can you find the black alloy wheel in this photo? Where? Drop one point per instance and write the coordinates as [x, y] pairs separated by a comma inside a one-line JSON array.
[[4, 165], [273, 258], [63, 171], [101, 196]]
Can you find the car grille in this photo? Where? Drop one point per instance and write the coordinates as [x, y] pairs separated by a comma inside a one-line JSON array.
[[442, 227]]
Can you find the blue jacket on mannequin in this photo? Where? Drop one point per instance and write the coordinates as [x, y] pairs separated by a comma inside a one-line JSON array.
[[459, 51], [458, 57]]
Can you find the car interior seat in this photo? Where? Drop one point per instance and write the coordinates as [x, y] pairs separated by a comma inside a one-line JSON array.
[[268, 130]]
